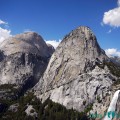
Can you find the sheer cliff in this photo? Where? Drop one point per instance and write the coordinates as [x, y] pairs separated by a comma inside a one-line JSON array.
[[78, 73]]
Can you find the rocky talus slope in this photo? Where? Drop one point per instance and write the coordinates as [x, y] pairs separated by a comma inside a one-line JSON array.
[[78, 74]]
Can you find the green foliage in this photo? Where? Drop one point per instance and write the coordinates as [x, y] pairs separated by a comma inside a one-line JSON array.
[[47, 111], [114, 69], [117, 82], [32, 111], [84, 102], [6, 86], [54, 111], [88, 108], [98, 99], [9, 91]]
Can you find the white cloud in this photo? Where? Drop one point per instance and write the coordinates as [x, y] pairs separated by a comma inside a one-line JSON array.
[[3, 22], [112, 52], [4, 34], [27, 30], [4, 31], [54, 43], [112, 17], [118, 2]]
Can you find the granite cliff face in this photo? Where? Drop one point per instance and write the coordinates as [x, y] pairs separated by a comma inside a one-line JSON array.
[[77, 75], [23, 59]]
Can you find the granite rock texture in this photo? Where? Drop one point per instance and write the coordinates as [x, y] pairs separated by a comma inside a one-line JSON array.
[[73, 76], [23, 59]]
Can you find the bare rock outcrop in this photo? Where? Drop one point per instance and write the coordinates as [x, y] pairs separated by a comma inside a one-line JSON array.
[[23, 59], [76, 75]]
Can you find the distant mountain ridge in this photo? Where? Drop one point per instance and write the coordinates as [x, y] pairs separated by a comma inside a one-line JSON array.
[[116, 60]]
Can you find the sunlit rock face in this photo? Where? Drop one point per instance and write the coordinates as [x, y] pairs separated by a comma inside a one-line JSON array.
[[23, 59], [29, 42], [73, 76], [51, 49]]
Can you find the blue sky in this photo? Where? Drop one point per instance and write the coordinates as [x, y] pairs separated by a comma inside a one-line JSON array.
[[53, 19]]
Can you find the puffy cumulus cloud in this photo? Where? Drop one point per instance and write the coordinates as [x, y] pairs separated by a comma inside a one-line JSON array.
[[54, 43], [4, 33], [112, 52], [112, 17]]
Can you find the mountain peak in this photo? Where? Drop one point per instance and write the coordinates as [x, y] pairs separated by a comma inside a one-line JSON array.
[[83, 40], [82, 32], [28, 36], [73, 74], [29, 42]]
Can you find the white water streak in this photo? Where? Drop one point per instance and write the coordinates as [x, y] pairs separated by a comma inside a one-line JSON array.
[[112, 106]]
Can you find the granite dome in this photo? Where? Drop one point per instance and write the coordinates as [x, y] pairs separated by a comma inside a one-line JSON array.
[[29, 42]]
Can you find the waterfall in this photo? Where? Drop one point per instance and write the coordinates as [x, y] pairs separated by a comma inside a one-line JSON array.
[[112, 106]]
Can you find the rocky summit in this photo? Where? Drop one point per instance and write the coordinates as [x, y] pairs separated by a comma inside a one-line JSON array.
[[28, 42], [66, 84], [78, 73]]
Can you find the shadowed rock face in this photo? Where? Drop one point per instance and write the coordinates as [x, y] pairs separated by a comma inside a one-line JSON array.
[[23, 59], [72, 77], [51, 49], [1, 55]]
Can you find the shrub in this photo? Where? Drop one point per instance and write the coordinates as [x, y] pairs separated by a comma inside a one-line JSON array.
[[98, 99], [84, 102]]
